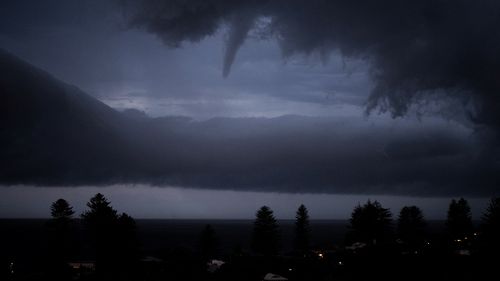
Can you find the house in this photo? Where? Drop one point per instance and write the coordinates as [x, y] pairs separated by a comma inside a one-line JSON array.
[[82, 265], [274, 277], [214, 265], [151, 259], [356, 246]]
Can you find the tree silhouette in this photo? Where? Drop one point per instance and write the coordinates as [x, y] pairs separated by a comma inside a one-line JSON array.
[[61, 210], [302, 230], [100, 212], [127, 241], [371, 224], [112, 235], [208, 242], [101, 221], [491, 227], [459, 220], [411, 227], [266, 234], [62, 215], [60, 239]]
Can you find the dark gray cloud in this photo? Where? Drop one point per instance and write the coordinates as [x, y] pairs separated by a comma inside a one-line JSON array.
[[86, 44], [51, 133], [54, 134], [240, 25], [416, 49]]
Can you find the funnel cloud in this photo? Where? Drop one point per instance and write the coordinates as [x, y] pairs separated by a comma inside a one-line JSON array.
[[237, 34], [418, 51], [98, 93]]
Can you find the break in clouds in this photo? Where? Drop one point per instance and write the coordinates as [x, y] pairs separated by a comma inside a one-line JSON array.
[[419, 51]]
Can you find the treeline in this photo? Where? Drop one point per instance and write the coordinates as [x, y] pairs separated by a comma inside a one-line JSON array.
[[373, 230], [111, 237], [372, 225]]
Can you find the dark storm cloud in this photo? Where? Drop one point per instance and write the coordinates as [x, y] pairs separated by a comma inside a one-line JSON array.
[[86, 43], [51, 133], [240, 25], [416, 49], [333, 155]]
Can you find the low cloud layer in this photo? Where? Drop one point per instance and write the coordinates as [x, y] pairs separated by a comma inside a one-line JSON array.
[[53, 134], [330, 155], [418, 50]]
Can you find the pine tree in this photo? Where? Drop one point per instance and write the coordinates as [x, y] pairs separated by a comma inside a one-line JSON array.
[[411, 227], [371, 224], [101, 213], [491, 227], [61, 210], [459, 220], [60, 225], [101, 221], [127, 241], [302, 230], [265, 232], [61, 242]]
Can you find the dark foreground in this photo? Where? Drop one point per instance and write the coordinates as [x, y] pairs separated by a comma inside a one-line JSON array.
[[169, 250]]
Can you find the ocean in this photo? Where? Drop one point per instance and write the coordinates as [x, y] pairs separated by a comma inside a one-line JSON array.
[[28, 238]]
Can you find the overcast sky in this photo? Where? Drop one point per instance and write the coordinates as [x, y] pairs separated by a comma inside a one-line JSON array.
[[89, 44], [413, 84]]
